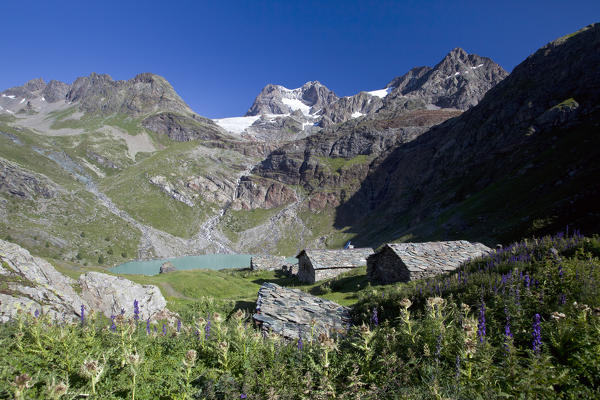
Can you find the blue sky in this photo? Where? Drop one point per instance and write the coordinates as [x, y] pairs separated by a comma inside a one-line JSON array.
[[218, 55]]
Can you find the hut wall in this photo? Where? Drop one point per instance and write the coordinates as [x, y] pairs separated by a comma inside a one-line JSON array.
[[306, 272], [328, 273], [387, 267]]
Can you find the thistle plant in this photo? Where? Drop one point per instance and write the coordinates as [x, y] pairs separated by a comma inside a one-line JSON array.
[[56, 390], [92, 370], [21, 384], [133, 360], [189, 361]]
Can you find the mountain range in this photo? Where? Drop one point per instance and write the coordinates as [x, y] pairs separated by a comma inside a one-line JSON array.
[[100, 171]]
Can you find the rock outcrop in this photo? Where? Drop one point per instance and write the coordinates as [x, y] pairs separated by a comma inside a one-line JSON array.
[[111, 295], [18, 182], [292, 313], [276, 99], [31, 284]]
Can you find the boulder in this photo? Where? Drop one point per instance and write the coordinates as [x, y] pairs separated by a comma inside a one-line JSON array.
[[167, 267], [111, 294], [292, 313]]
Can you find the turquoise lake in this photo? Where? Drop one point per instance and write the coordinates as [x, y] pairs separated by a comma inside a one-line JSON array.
[[205, 261]]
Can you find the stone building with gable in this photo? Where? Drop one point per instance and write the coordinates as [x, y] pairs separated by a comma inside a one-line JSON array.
[[317, 265], [403, 262]]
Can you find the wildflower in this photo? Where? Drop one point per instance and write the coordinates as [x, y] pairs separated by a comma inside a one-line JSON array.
[[178, 325], [300, 343], [122, 311], [217, 317], [507, 333], [113, 327], [465, 308], [57, 390], [207, 330], [224, 345], [243, 396], [563, 299], [405, 303], [537, 335], [374, 317], [426, 352], [133, 359], [36, 313], [82, 315], [22, 382], [190, 358], [558, 316], [136, 310], [148, 326], [481, 325], [239, 315], [164, 331]]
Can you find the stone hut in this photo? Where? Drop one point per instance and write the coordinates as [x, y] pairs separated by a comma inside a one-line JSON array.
[[316, 265], [266, 263], [403, 262]]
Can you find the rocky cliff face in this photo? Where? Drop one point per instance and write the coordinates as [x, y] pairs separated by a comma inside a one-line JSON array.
[[276, 99], [459, 81], [523, 161], [31, 284]]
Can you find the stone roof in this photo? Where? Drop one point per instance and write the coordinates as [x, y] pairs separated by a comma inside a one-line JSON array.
[[347, 258], [291, 312], [445, 256]]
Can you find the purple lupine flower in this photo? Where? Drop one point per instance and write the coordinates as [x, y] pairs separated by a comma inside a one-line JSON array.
[[136, 310], [82, 315], [481, 325], [122, 311], [537, 334], [178, 325], [527, 280], [243, 396], [207, 329], [374, 317], [113, 326], [164, 332], [563, 299], [300, 344], [148, 326], [457, 366], [560, 271], [507, 333], [36, 313]]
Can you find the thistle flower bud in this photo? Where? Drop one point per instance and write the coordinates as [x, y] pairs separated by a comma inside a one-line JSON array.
[[57, 390], [133, 359], [239, 314], [190, 358], [22, 382], [217, 317], [405, 303], [91, 368]]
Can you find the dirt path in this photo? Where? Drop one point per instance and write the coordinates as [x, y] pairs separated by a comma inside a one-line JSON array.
[[169, 291]]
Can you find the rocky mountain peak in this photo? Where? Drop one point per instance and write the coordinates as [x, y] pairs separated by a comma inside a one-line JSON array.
[[277, 99], [145, 93], [35, 84]]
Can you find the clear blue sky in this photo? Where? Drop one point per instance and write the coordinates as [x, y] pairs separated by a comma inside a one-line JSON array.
[[219, 54]]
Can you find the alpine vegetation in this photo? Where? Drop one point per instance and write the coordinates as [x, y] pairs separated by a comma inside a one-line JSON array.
[[523, 321]]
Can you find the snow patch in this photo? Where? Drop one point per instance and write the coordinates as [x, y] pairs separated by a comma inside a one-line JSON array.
[[236, 124], [43, 98], [478, 66], [10, 96], [22, 101], [296, 104], [357, 114], [381, 92]]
